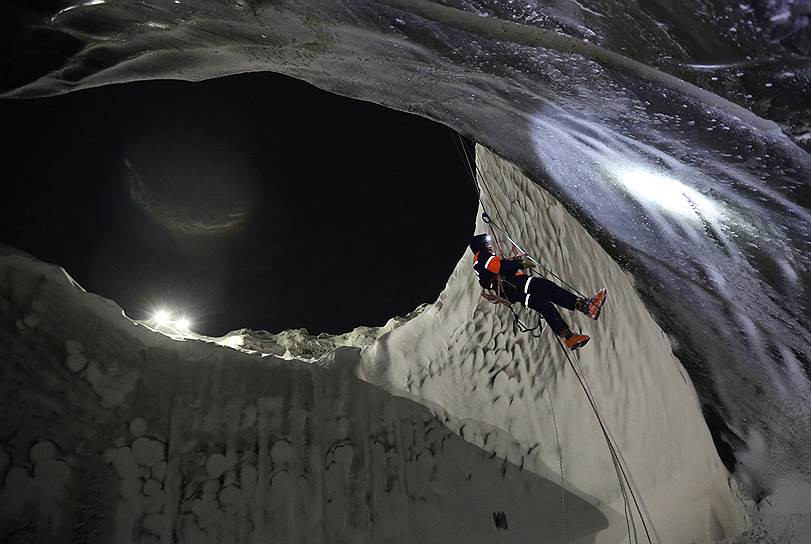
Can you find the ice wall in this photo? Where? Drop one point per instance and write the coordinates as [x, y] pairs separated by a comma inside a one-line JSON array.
[[440, 431], [110, 432], [500, 388], [657, 124]]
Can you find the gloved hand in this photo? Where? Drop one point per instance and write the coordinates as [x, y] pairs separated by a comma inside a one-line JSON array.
[[526, 263]]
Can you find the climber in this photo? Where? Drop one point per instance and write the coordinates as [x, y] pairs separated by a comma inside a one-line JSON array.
[[533, 292]]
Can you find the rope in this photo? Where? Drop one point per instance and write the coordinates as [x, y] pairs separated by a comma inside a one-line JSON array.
[[490, 222], [616, 458], [498, 298], [471, 169], [460, 148], [562, 481], [626, 487]]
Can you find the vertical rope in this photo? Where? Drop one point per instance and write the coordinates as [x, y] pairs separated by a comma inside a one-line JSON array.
[[626, 487], [545, 269], [622, 476], [475, 180], [562, 479]]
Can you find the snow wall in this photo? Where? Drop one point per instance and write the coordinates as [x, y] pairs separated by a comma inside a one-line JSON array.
[[440, 431]]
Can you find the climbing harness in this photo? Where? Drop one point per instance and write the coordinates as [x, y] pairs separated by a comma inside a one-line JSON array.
[[633, 506], [497, 297], [486, 219]]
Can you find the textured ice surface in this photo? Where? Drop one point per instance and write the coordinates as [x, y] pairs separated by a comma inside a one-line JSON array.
[[187, 441], [637, 116], [462, 356], [440, 430]]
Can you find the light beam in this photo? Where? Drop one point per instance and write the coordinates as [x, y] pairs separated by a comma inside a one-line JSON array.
[[162, 317]]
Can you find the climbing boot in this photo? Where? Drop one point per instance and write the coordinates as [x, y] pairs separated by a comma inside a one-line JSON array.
[[574, 341], [592, 306]]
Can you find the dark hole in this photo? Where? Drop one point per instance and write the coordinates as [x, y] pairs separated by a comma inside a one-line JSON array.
[[28, 48], [251, 201], [500, 519]]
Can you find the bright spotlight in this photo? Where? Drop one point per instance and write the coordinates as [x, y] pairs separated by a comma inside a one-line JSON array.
[[183, 323], [162, 317], [666, 192]]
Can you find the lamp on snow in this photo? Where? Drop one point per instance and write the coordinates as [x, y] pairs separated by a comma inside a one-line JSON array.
[[162, 317], [183, 323], [165, 318]]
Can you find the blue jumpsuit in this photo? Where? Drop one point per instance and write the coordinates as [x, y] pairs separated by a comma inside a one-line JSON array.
[[533, 292]]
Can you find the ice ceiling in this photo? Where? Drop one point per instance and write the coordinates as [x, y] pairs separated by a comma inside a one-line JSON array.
[[677, 133]]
